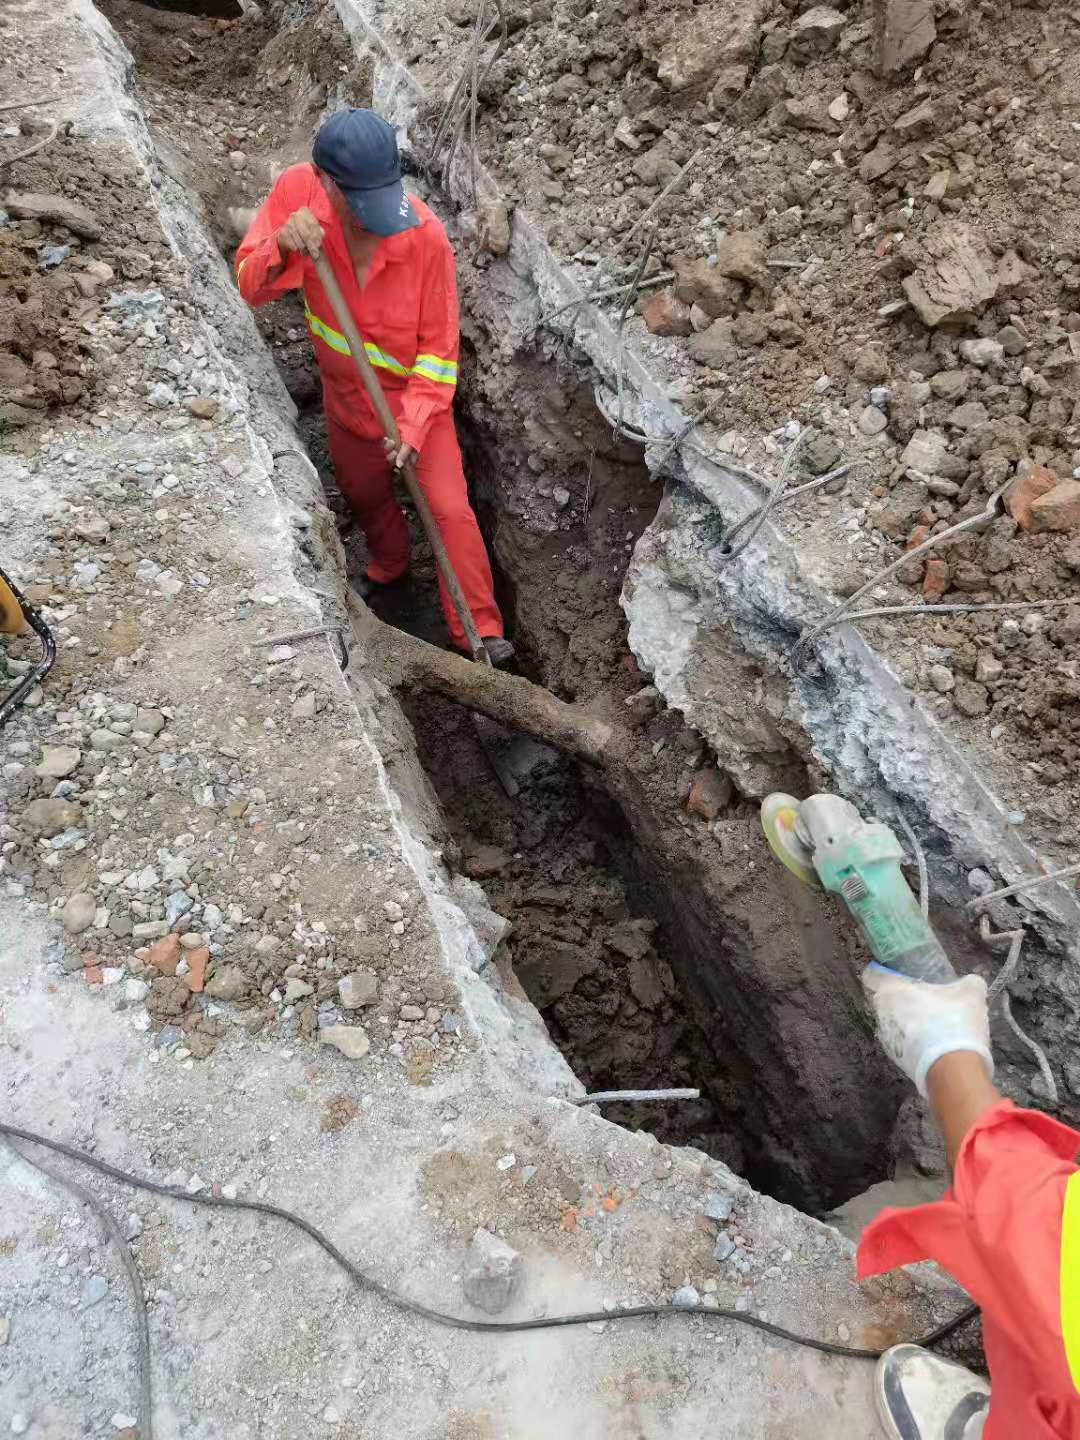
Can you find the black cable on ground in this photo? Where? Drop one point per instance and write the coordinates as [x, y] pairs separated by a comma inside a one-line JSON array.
[[142, 1318], [458, 1322], [10, 702]]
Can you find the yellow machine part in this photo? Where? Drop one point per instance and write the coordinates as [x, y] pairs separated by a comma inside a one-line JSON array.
[[12, 621]]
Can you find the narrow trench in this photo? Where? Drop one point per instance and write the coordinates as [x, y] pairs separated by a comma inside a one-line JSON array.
[[656, 951]]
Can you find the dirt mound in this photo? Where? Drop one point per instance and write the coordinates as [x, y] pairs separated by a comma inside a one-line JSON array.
[[876, 239]]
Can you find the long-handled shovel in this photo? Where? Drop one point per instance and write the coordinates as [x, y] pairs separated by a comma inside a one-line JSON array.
[[347, 325]]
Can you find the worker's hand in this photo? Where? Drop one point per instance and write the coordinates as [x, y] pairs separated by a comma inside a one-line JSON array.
[[301, 231], [398, 453], [918, 1023]]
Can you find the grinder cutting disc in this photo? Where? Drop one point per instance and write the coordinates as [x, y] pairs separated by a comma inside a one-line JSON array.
[[12, 620], [779, 814]]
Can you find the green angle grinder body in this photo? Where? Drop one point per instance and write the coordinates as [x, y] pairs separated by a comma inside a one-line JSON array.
[[828, 845]]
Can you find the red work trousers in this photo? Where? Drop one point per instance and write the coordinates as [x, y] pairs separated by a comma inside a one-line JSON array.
[[364, 478]]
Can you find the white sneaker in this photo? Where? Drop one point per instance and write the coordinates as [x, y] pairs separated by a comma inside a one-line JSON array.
[[919, 1396]]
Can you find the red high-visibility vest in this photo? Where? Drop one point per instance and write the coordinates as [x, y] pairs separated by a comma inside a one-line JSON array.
[[1008, 1230], [407, 312]]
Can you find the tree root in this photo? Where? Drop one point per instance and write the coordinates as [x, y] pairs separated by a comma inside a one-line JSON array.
[[404, 661]]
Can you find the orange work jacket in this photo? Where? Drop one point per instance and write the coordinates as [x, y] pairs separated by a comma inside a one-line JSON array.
[[407, 311], [1008, 1230]]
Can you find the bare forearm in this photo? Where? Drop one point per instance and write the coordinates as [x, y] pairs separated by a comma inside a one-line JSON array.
[[959, 1091]]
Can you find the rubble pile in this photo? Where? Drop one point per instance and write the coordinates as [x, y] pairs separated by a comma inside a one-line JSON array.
[[877, 240]]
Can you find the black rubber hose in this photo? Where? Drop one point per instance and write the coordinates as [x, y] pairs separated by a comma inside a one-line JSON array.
[[458, 1322]]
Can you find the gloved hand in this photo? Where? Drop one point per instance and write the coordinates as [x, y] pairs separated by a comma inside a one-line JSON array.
[[918, 1022]]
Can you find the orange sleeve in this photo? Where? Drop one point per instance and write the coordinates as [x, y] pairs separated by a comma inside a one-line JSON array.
[[433, 379], [1009, 1232], [258, 255]]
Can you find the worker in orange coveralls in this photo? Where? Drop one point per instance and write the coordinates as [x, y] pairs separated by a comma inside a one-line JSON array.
[[395, 267], [1008, 1229]]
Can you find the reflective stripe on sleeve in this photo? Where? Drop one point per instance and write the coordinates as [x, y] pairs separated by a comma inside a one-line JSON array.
[[444, 372], [326, 333], [1070, 1276], [431, 367]]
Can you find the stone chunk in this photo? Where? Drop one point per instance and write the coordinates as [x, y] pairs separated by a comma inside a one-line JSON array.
[[58, 761], [936, 579], [924, 452], [228, 983], [871, 366], [740, 255], [715, 346], [665, 315], [1037, 482], [46, 818], [805, 112], [724, 1247], [905, 32], [988, 668], [491, 1272], [1058, 509], [164, 954], [493, 227], [718, 1206], [982, 353], [971, 699], [879, 161], [79, 913], [956, 278], [710, 792], [26, 205], [728, 31], [357, 990], [815, 33], [705, 286], [820, 453], [351, 1040]]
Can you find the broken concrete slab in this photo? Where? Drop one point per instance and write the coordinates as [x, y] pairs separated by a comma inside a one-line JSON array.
[[57, 209], [491, 1273], [727, 32], [904, 32], [955, 278]]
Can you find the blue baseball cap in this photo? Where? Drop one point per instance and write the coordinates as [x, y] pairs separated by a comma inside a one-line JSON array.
[[358, 150]]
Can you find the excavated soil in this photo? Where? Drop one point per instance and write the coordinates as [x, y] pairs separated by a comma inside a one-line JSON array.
[[659, 942], [830, 167], [69, 226]]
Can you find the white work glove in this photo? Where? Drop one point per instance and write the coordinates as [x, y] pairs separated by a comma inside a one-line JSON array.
[[918, 1022]]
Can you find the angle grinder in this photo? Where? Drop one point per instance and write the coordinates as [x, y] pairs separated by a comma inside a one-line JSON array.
[[828, 845]]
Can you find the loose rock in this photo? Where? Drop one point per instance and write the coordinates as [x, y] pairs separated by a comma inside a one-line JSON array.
[[79, 913], [47, 818], [1058, 509], [491, 1272], [357, 990], [1030, 487], [956, 278], [58, 761], [351, 1040]]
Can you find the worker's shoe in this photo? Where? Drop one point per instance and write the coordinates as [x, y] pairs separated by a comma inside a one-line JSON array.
[[922, 1397], [500, 651], [369, 588]]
